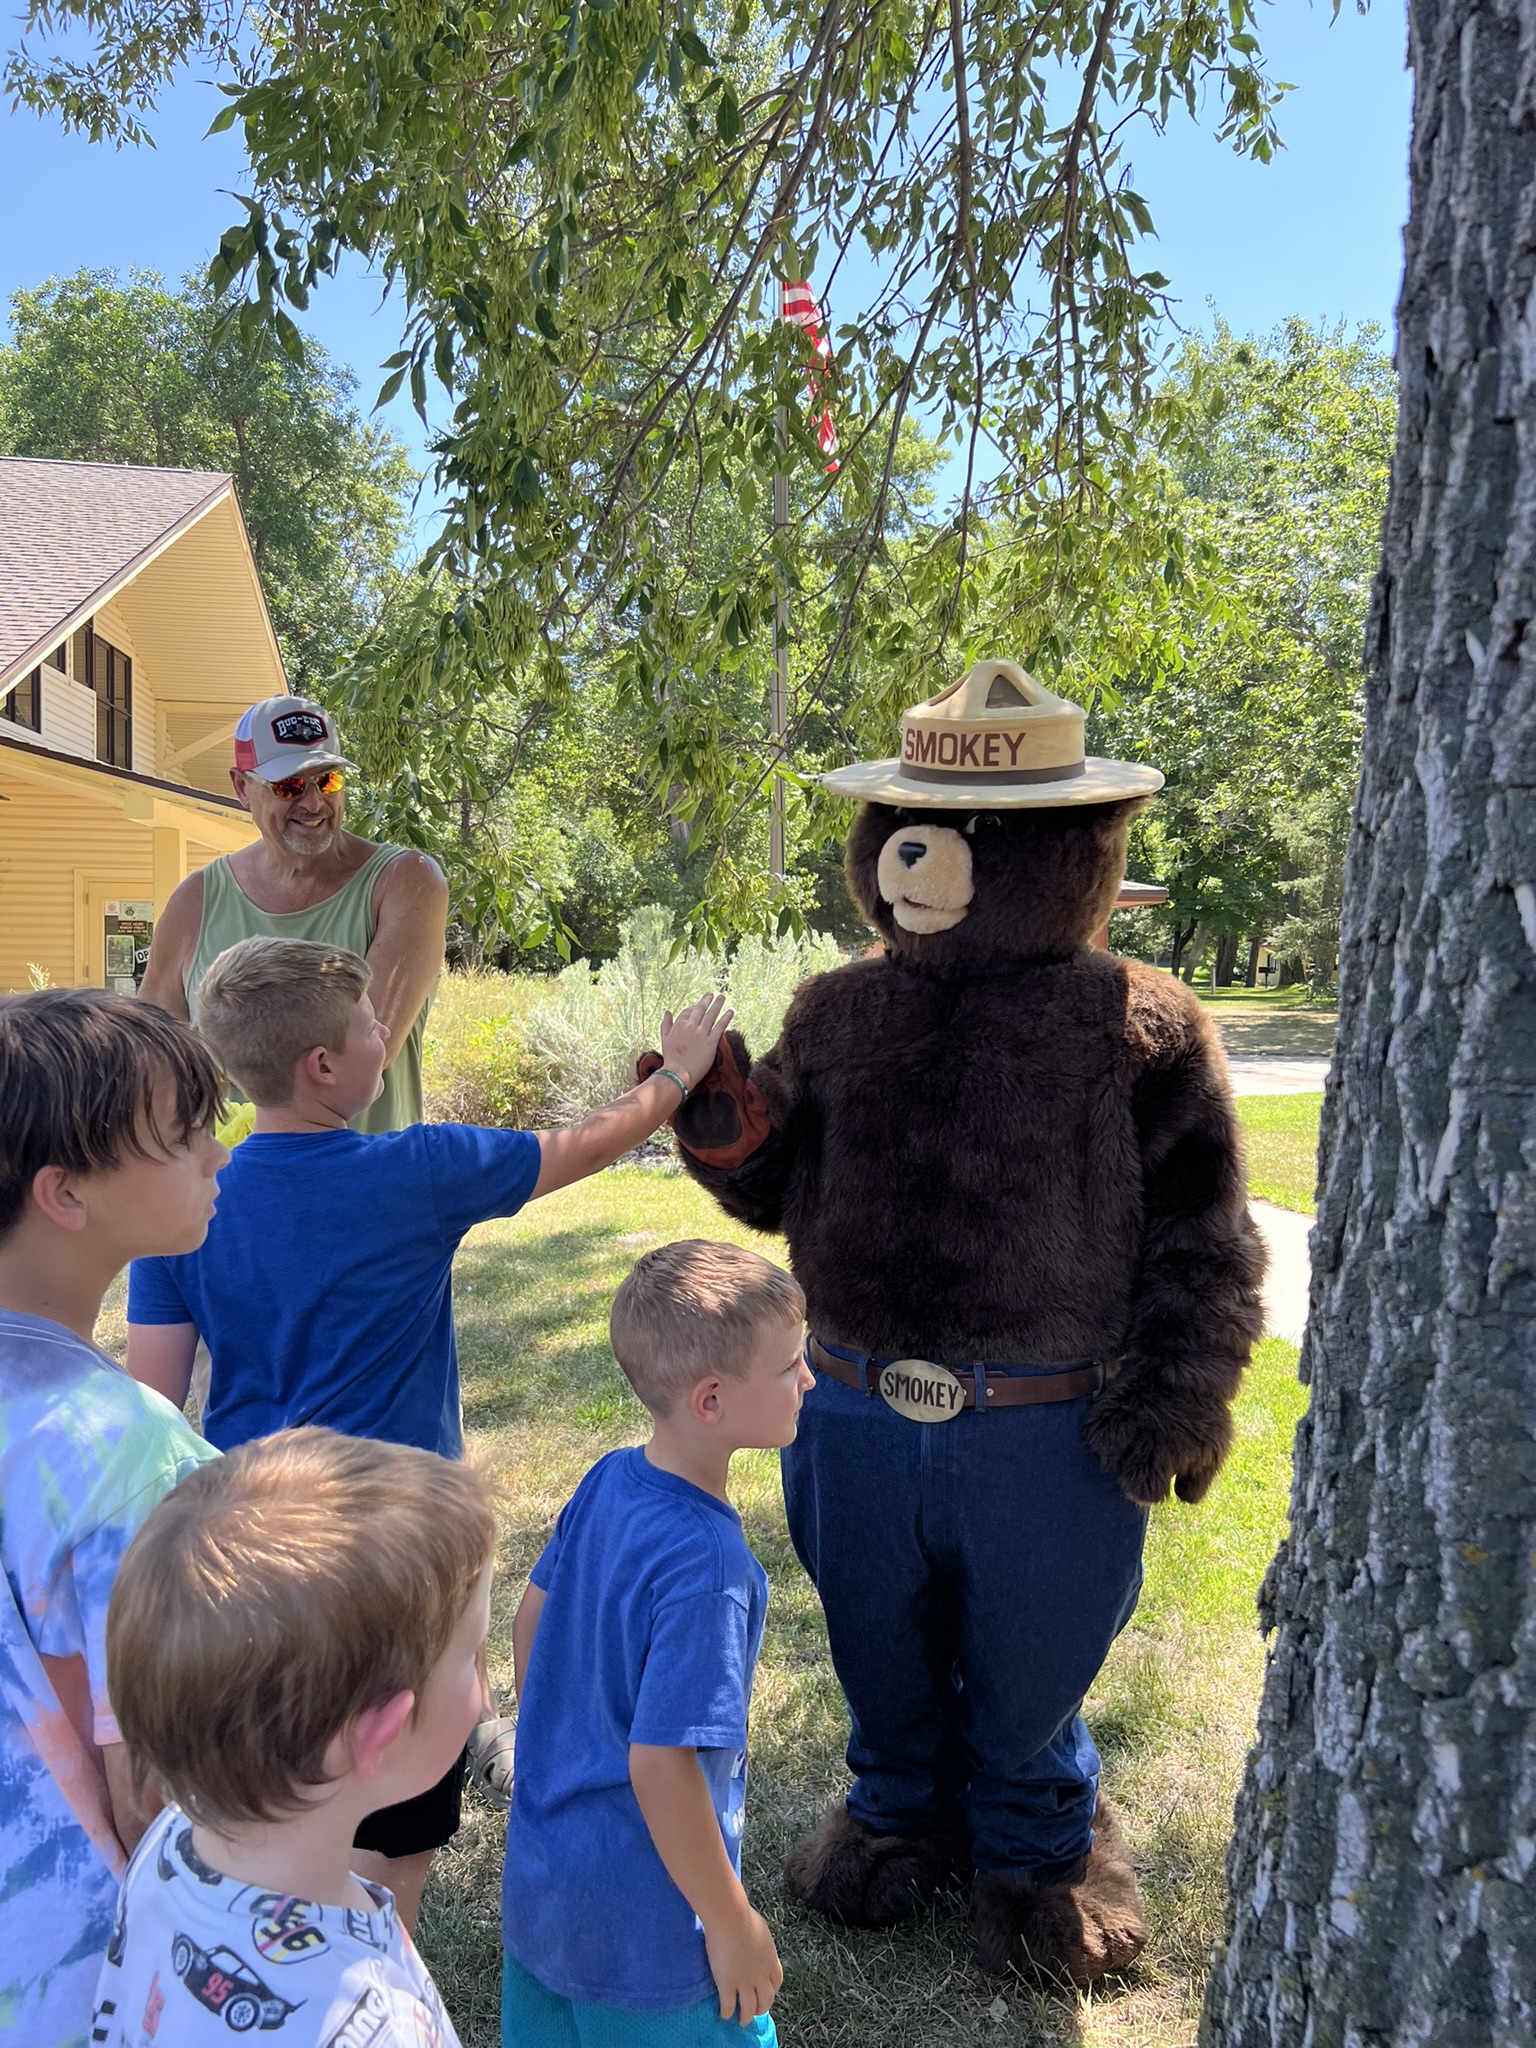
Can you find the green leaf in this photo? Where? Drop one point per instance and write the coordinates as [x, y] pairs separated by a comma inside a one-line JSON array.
[[289, 339]]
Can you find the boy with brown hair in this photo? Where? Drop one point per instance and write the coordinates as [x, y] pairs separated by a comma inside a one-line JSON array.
[[294, 1639], [324, 1290], [107, 1152], [623, 1915]]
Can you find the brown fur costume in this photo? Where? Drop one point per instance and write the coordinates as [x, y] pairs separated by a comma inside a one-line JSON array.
[[993, 1142]]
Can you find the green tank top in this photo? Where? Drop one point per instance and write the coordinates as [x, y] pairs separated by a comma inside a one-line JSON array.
[[345, 919]]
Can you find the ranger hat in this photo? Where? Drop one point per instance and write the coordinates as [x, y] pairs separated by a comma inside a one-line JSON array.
[[287, 736], [997, 741]]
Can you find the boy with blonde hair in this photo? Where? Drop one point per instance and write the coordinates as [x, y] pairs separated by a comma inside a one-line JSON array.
[[106, 1152], [324, 1290], [294, 1639], [623, 1915]]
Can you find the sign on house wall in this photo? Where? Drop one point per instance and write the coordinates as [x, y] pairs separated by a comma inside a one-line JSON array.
[[128, 929]]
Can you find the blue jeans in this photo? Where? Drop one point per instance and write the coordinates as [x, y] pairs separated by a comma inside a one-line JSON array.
[[532, 2017], [974, 1574]]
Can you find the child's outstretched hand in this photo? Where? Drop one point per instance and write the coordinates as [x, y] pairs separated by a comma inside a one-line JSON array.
[[688, 1040], [744, 1964]]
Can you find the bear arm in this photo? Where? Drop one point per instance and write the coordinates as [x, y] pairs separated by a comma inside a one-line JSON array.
[[1198, 1308], [752, 1186]]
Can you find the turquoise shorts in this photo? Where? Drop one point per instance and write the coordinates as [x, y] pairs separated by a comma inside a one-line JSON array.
[[532, 2017]]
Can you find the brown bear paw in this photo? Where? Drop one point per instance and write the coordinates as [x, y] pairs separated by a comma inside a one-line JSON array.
[[851, 1874], [1075, 1932], [1147, 1449]]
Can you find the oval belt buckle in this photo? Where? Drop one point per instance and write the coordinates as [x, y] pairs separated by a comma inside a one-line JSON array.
[[921, 1390]]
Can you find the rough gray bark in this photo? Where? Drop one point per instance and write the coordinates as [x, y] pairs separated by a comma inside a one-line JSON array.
[[1383, 1872]]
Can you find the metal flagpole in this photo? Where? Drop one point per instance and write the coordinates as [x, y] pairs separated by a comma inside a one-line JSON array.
[[797, 302], [778, 699]]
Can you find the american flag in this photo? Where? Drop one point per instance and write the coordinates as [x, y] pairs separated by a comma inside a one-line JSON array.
[[798, 304]]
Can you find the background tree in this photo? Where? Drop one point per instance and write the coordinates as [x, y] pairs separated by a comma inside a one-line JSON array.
[[1255, 714], [586, 211], [547, 808], [1383, 1880], [98, 370]]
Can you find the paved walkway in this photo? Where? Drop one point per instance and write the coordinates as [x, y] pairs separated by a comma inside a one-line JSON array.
[[1290, 1270], [1254, 1075]]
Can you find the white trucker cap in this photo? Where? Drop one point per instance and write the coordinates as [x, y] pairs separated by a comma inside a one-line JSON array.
[[287, 736]]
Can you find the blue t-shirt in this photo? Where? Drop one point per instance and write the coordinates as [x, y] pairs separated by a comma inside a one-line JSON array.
[[653, 1617], [323, 1288]]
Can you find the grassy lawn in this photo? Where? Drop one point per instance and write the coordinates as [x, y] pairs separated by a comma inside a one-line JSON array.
[[1281, 1136], [1236, 996], [1173, 1712]]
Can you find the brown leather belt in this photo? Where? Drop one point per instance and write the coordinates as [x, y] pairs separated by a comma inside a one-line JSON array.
[[1004, 1390]]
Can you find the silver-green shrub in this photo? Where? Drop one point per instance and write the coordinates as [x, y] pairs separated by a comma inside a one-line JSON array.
[[764, 974], [591, 1027]]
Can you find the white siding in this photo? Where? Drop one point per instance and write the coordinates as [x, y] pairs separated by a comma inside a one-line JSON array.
[[69, 716], [69, 708]]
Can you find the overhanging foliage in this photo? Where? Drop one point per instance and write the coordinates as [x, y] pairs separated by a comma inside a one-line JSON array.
[[586, 204]]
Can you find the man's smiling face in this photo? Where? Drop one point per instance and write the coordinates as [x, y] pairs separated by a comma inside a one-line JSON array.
[[306, 825]]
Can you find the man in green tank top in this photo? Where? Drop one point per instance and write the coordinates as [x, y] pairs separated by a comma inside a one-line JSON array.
[[307, 878]]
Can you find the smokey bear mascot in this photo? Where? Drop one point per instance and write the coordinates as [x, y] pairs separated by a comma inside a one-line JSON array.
[[1010, 1178]]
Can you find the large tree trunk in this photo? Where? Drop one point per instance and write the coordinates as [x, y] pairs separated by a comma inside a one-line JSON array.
[[1384, 1868]]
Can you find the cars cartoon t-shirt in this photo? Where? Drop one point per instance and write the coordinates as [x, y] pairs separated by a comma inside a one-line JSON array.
[[195, 1957]]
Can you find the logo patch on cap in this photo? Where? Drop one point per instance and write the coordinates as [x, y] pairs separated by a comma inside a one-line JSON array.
[[299, 729]]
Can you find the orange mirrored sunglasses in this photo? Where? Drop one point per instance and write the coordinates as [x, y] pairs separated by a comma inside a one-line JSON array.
[[327, 782]]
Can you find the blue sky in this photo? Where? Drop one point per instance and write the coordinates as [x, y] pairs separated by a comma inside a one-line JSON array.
[[1318, 232]]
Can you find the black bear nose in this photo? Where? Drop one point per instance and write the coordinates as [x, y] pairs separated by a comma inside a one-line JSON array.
[[910, 852]]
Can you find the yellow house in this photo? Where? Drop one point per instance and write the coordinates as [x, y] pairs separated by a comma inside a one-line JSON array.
[[133, 633]]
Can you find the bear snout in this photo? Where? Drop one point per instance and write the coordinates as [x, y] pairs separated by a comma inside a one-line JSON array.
[[924, 873]]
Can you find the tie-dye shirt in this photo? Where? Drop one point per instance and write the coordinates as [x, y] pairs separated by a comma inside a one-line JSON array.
[[85, 1453]]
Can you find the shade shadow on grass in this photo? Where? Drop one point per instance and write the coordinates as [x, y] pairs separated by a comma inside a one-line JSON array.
[[532, 1320]]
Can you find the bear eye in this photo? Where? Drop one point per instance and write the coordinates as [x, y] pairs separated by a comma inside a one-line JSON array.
[[979, 818]]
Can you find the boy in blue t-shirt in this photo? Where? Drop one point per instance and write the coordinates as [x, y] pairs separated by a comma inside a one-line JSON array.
[[623, 1914], [323, 1290]]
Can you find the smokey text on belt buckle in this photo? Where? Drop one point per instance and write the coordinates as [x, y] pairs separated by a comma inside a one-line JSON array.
[[921, 1390]]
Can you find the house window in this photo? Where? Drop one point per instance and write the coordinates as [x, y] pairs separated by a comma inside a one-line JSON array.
[[24, 703], [57, 658], [109, 674]]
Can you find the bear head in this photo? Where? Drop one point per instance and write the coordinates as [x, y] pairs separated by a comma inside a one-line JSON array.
[[952, 891]]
